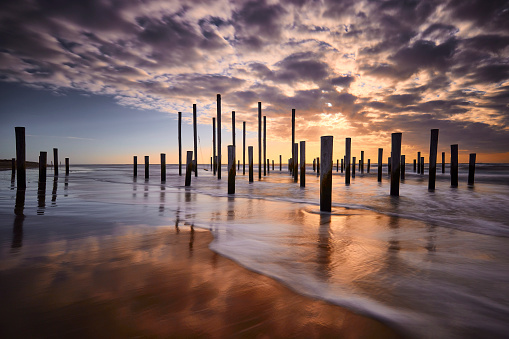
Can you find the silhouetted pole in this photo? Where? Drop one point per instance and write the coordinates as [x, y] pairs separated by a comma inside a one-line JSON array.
[[146, 166], [433, 150], [280, 164], [55, 161], [264, 144], [211, 164], [267, 161], [471, 169], [135, 166], [403, 164], [180, 141], [233, 141], [362, 162], [415, 165], [66, 166], [43, 159], [389, 165], [454, 165], [243, 148], [163, 167], [326, 173], [380, 157], [238, 165], [13, 168], [231, 169], [189, 167], [443, 162], [422, 165], [294, 155], [250, 156], [296, 162], [353, 166], [317, 166], [348, 156], [314, 165], [395, 166], [20, 157], [337, 165], [418, 162], [219, 136], [214, 145], [302, 164], [259, 140], [195, 132], [369, 165], [272, 165], [342, 164]]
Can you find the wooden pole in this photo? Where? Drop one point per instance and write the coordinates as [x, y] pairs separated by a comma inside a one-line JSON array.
[[66, 166], [264, 144], [20, 157], [43, 159], [348, 156], [418, 162], [231, 169], [471, 169], [415, 165], [380, 157], [259, 140], [433, 150], [195, 132], [302, 164], [317, 166], [146, 167], [180, 141], [189, 165], [395, 166], [243, 148], [295, 162], [135, 166], [353, 166], [422, 165], [443, 162], [454, 165], [337, 165], [238, 165], [267, 161], [294, 156], [389, 165], [280, 165], [13, 168], [362, 162], [250, 159], [326, 173], [214, 145], [403, 164], [314, 165], [211, 164], [219, 136], [234, 136], [163, 167], [272, 165], [55, 161], [342, 164]]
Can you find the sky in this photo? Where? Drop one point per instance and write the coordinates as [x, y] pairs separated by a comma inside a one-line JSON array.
[[103, 80]]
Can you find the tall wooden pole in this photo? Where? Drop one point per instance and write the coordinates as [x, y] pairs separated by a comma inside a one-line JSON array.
[[433, 150], [259, 140], [219, 136], [21, 157], [243, 148], [189, 165], [454, 165], [293, 141], [231, 169], [362, 162], [443, 162], [471, 169], [195, 132], [214, 167], [234, 136], [55, 161], [250, 159], [180, 141], [418, 162], [380, 159], [326, 173], [146, 166], [163, 167], [348, 156], [264, 144], [395, 166]]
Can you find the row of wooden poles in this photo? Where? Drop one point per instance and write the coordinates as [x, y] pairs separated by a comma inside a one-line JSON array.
[[396, 163], [19, 163]]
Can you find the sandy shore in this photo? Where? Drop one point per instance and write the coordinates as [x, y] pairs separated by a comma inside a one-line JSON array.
[[156, 283]]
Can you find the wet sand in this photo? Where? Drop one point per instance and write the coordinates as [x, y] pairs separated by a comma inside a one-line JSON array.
[[162, 282]]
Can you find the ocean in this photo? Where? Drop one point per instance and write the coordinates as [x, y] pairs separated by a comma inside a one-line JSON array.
[[429, 264]]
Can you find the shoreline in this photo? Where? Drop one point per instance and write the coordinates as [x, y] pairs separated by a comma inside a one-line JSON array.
[[159, 282]]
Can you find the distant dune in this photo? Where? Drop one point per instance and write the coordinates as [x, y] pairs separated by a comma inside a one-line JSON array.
[[5, 164]]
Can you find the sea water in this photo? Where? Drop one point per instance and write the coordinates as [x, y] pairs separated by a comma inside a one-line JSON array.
[[428, 263]]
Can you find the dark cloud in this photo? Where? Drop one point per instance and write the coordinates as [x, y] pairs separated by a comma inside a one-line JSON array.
[[492, 15], [344, 81]]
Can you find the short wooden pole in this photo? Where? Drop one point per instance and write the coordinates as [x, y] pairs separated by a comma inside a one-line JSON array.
[[280, 164], [454, 165], [443, 162], [21, 157], [238, 165], [218, 136], [259, 140], [211, 164], [326, 173], [290, 165], [362, 162], [214, 145], [295, 162], [302, 164], [66, 166], [43, 159], [13, 168], [353, 166], [163, 167], [395, 166], [380, 157], [342, 164], [314, 165], [422, 165], [135, 166], [55, 161], [250, 159], [272, 165], [264, 144], [337, 165], [471, 169], [415, 165], [195, 133], [389, 165], [231, 169], [433, 150], [403, 165], [243, 148], [348, 156], [189, 167], [369, 165], [418, 162], [317, 166], [146, 167], [180, 141], [268, 166]]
